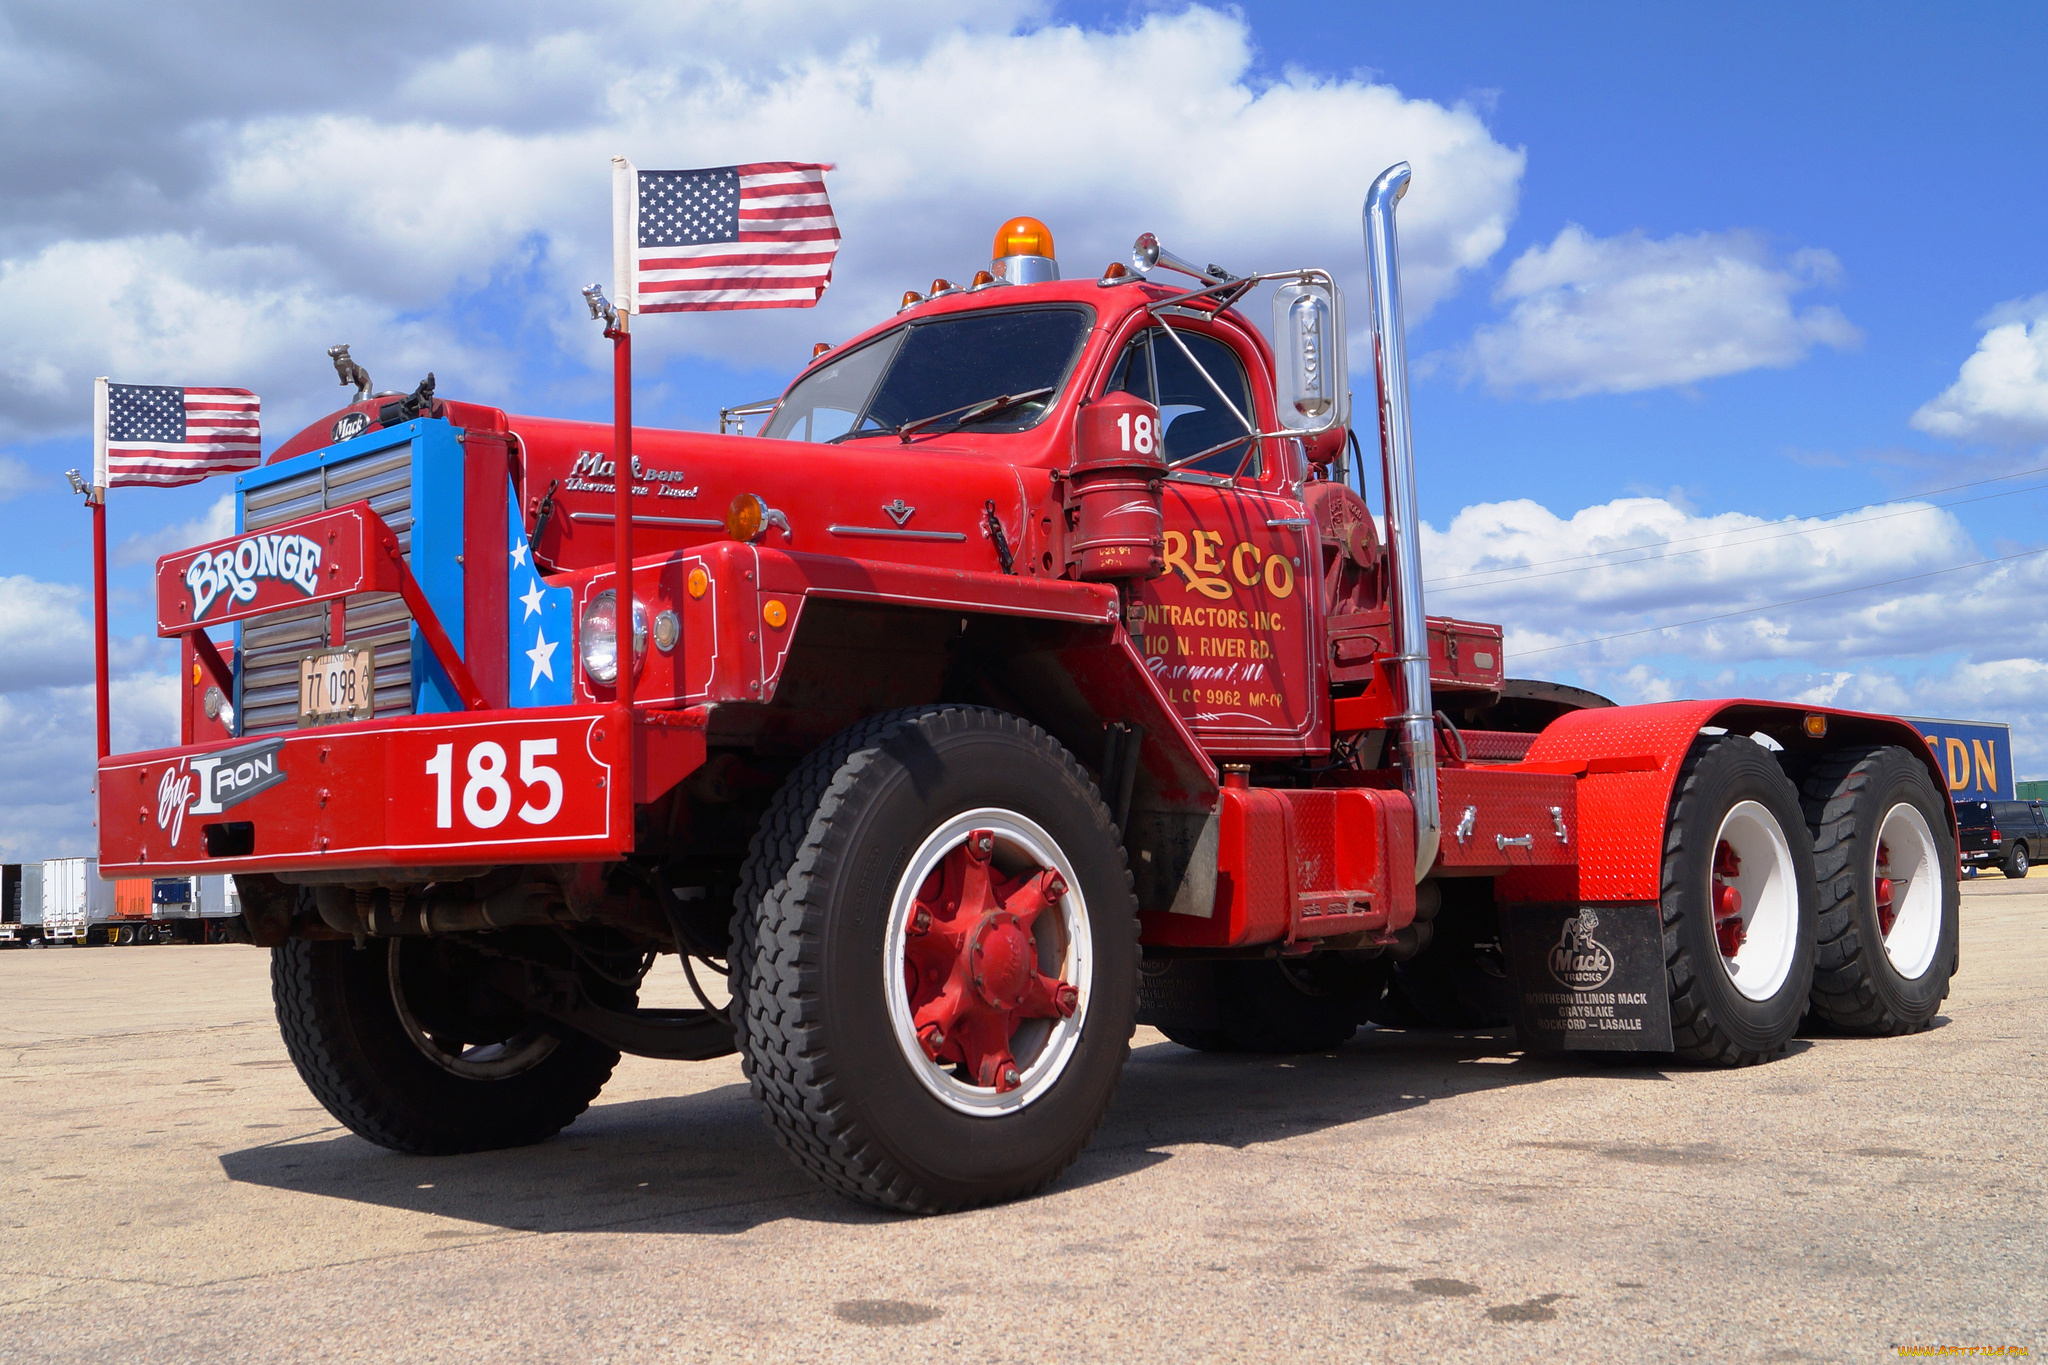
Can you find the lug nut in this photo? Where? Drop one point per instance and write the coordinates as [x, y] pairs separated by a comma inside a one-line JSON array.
[[1066, 999], [1055, 888], [931, 1037], [1010, 1079], [921, 922], [985, 844]]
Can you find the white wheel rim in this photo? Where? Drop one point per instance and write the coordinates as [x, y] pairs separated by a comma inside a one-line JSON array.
[[1065, 950], [1770, 900], [1906, 856]]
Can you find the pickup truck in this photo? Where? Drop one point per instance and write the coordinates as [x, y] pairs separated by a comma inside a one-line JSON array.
[[2009, 834]]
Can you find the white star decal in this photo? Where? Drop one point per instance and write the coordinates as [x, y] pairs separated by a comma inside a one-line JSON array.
[[531, 600], [543, 655], [519, 555]]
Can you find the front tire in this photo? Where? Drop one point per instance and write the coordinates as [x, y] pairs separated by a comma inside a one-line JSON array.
[[936, 960], [1739, 905], [410, 1064], [1889, 893]]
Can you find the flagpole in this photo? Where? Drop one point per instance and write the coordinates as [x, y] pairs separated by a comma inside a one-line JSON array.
[[96, 498], [99, 617], [625, 234], [622, 480]]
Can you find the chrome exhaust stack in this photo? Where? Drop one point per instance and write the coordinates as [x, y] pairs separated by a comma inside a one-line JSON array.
[[1417, 717]]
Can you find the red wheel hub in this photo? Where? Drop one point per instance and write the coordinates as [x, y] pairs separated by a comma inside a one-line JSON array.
[[1729, 929], [970, 961], [1887, 912]]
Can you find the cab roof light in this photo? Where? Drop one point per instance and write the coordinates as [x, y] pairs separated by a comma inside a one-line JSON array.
[[1023, 237], [1023, 253], [982, 280], [943, 286], [820, 349], [911, 298], [1118, 273]]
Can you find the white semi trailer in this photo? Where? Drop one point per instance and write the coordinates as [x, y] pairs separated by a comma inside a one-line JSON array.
[[74, 899]]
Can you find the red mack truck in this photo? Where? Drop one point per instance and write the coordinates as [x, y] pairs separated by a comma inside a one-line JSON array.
[[1036, 670]]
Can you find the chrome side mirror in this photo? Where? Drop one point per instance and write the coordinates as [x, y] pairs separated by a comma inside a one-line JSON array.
[[1308, 333]]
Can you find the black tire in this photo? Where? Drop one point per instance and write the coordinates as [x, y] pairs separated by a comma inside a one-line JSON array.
[[1307, 1004], [1312, 1004], [1711, 1019], [343, 1029], [2016, 862], [816, 1034], [1857, 987], [1200, 1039]]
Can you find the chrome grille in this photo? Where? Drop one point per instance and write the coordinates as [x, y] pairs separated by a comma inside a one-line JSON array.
[[273, 644]]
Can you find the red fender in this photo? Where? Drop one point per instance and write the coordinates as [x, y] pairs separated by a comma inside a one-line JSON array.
[[1627, 760]]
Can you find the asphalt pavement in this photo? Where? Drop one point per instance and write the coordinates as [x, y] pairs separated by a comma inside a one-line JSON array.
[[173, 1193]]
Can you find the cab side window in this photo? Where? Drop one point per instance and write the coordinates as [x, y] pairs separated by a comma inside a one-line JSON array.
[[1195, 419]]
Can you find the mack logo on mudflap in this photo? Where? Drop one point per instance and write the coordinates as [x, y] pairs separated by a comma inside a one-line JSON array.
[[1579, 960], [209, 784], [235, 571]]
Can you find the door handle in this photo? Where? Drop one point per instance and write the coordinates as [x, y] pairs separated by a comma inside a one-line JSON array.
[[1504, 842]]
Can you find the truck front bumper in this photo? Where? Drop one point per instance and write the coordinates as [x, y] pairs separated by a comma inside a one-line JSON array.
[[480, 788]]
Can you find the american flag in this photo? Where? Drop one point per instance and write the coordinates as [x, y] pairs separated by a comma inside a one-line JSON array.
[[755, 236], [163, 435]]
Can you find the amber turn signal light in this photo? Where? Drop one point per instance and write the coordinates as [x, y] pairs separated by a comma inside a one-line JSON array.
[[1816, 725], [746, 516]]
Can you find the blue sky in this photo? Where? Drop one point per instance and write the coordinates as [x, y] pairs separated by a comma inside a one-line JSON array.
[[1701, 277]]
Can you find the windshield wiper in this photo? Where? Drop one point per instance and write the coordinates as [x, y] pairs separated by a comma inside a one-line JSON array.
[[856, 434], [962, 415], [972, 412]]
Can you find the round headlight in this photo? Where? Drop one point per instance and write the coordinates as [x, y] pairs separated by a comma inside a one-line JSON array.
[[598, 639]]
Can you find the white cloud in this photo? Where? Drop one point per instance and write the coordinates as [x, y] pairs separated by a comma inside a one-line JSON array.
[[1622, 314], [170, 309], [2002, 392], [215, 523], [1524, 566], [46, 760], [46, 715], [16, 477], [46, 638], [322, 215]]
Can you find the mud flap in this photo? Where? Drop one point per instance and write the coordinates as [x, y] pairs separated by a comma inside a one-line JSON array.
[[1589, 978]]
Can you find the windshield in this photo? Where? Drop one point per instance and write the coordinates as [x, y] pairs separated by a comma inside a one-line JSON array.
[[933, 368]]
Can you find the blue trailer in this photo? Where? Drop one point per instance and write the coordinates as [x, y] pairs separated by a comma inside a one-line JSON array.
[[1974, 755]]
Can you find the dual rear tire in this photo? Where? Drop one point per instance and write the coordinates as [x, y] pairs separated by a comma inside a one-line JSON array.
[[1889, 895], [1837, 897]]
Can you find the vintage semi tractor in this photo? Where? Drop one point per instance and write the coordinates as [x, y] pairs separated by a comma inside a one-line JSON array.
[[1036, 669]]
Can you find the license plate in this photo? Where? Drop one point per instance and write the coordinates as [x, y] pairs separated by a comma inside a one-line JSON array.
[[335, 686]]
